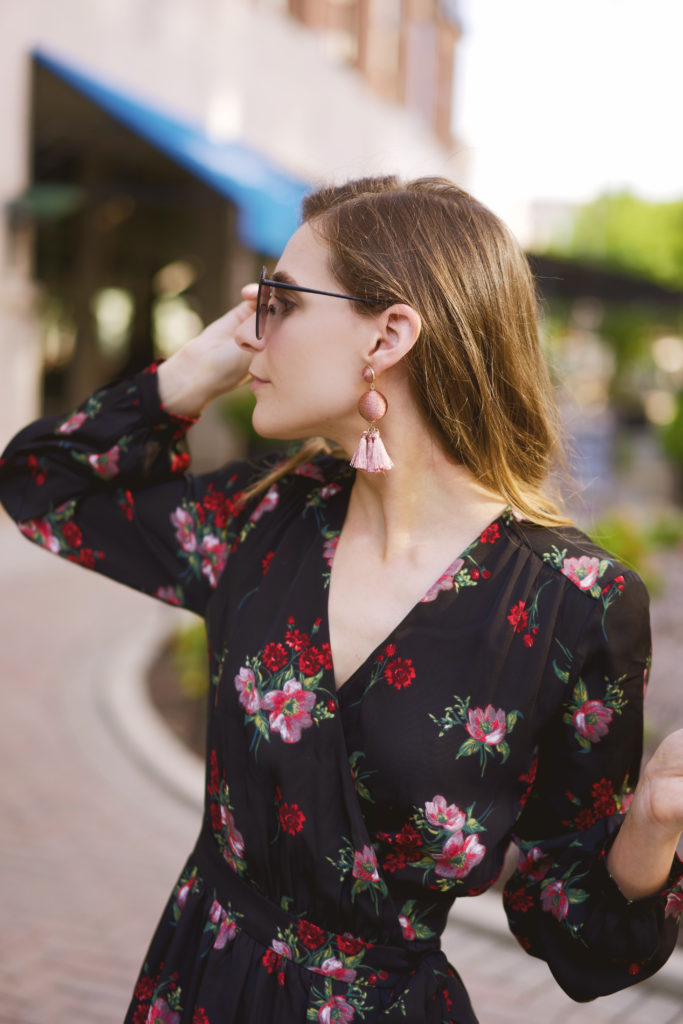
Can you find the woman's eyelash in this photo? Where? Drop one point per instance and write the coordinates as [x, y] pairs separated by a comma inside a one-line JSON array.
[[278, 304]]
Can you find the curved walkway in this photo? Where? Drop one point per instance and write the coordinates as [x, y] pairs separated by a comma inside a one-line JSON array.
[[99, 810]]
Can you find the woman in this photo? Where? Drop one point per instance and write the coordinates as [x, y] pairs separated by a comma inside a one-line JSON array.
[[410, 667]]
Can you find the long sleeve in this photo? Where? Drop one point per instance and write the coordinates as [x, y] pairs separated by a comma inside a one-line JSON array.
[[561, 903], [106, 487]]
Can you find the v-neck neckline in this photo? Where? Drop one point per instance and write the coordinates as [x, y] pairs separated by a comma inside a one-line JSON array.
[[337, 512]]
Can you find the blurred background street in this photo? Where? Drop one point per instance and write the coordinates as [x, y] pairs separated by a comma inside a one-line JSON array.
[[154, 155]]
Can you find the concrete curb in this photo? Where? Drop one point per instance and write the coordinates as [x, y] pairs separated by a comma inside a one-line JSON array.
[[125, 704]]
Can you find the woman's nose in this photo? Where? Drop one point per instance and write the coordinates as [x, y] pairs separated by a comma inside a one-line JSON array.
[[245, 335]]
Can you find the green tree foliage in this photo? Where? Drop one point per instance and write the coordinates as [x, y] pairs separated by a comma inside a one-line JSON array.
[[624, 231]]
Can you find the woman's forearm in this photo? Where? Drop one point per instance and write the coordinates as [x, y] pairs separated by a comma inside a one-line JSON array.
[[641, 855]]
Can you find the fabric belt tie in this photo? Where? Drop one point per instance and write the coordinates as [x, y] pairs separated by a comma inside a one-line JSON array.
[[338, 956]]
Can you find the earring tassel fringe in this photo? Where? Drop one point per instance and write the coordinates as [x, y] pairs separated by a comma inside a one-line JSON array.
[[371, 455]]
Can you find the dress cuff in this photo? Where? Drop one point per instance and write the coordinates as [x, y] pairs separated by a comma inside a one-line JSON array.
[[152, 408]]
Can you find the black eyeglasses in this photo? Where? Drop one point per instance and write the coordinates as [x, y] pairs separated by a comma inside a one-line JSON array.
[[262, 299]]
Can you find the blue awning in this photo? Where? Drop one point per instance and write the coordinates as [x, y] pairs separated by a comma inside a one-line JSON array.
[[267, 199]]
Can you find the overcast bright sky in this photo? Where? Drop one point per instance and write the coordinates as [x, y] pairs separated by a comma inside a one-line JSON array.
[[565, 100]]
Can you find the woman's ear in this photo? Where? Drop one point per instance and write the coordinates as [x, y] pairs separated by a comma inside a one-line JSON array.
[[398, 328]]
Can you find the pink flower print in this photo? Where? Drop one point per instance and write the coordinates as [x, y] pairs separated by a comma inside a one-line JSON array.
[[534, 864], [334, 968], [72, 423], [309, 469], [184, 524], [216, 912], [336, 1011], [266, 504], [329, 491], [40, 532], [183, 892], [583, 571], [232, 833], [168, 594], [444, 582], [162, 1013], [329, 548], [106, 464], [674, 903], [289, 710], [215, 554], [592, 720], [555, 900], [281, 948], [406, 927], [443, 815], [365, 865], [458, 857], [487, 725], [245, 683], [226, 932]]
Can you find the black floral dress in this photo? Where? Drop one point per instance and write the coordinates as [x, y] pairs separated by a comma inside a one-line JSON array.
[[340, 826]]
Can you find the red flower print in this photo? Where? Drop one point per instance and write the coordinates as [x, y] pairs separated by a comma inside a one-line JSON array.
[[592, 720], [349, 945], [336, 1011], [583, 571], [86, 557], [311, 661], [311, 936], [406, 927], [445, 582], [72, 534], [297, 640], [274, 656], [289, 710], [265, 562], [271, 960], [518, 617], [365, 865], [399, 673], [199, 1016], [459, 856], [291, 818], [490, 535], [443, 815], [245, 684], [487, 725], [327, 655], [555, 900], [179, 461], [520, 900]]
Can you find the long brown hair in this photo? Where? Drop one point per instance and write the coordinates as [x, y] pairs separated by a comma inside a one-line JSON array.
[[477, 370]]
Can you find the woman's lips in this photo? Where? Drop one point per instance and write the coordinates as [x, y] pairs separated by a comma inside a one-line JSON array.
[[257, 382]]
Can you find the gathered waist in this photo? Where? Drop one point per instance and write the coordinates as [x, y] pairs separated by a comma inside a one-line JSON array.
[[289, 935]]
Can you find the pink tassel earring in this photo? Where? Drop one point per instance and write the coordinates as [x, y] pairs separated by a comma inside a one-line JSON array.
[[371, 455]]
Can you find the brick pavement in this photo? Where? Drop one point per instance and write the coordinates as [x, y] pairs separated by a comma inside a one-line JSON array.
[[90, 843]]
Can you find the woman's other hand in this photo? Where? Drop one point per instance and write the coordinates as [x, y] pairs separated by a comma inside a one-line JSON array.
[[210, 364], [641, 855]]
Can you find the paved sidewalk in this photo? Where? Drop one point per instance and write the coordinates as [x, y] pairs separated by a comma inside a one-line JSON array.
[[91, 840]]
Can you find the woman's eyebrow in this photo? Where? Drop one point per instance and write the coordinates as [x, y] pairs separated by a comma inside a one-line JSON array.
[[283, 276]]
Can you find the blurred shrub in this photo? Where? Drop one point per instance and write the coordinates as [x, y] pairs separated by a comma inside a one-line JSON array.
[[635, 545], [190, 660]]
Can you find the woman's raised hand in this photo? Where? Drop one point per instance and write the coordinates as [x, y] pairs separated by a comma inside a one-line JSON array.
[[208, 365], [641, 855]]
